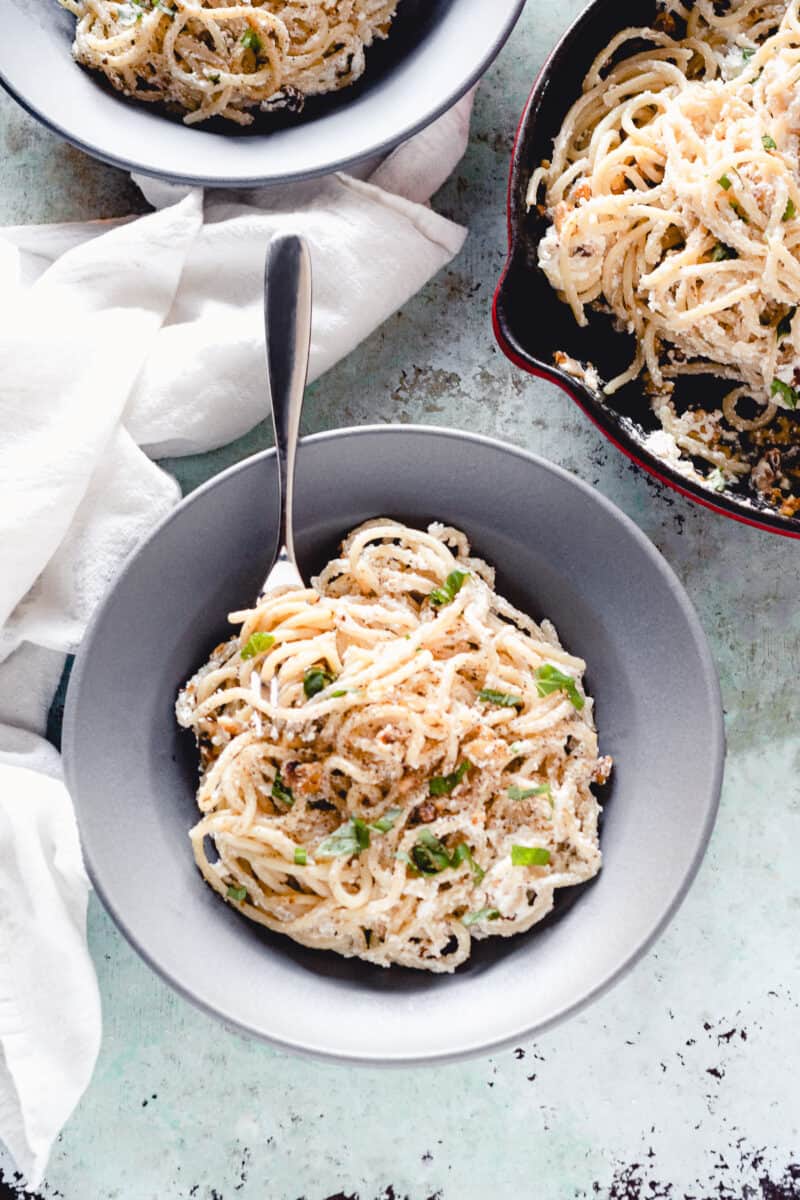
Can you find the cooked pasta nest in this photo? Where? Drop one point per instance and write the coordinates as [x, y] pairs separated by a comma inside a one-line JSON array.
[[211, 58], [673, 203], [394, 761]]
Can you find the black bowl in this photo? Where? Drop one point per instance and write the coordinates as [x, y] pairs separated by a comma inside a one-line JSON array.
[[530, 323]]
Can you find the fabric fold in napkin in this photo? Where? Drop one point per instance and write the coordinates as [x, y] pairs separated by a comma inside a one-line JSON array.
[[120, 342]]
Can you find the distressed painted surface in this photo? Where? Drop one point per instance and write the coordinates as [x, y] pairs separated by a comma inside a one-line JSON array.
[[682, 1082]]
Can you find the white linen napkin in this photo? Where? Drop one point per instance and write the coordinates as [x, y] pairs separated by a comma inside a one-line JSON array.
[[121, 341]]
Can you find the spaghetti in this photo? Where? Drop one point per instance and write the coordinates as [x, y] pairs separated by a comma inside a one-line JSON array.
[[212, 58], [394, 761], [674, 203]]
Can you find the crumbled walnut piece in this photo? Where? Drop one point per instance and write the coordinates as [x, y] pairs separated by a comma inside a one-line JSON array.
[[306, 779], [766, 472], [603, 769], [425, 812]]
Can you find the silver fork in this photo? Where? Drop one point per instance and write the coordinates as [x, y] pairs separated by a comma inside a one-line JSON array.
[[287, 315]]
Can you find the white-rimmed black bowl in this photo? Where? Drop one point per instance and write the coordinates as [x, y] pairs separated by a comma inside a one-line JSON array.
[[435, 51], [560, 550]]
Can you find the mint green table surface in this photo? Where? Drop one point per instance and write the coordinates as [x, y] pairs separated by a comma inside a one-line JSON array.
[[681, 1082]]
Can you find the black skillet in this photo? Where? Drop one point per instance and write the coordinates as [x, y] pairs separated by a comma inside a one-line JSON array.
[[531, 323]]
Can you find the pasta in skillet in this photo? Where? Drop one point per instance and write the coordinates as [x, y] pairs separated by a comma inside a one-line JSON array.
[[673, 202]]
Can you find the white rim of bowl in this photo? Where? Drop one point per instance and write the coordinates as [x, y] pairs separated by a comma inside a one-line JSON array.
[[327, 168]]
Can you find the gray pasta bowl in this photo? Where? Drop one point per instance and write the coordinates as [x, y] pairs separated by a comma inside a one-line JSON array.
[[561, 550], [436, 50]]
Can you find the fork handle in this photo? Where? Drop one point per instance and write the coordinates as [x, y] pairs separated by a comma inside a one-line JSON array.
[[287, 314]]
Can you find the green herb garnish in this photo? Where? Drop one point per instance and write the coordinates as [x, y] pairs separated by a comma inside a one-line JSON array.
[[724, 182], [485, 914], [315, 680], [550, 679], [462, 853], [251, 41], [281, 792], [337, 694], [790, 210], [429, 856], [768, 142], [741, 214], [519, 793], [350, 838], [443, 785], [257, 643], [502, 699], [449, 589], [529, 856], [787, 393], [721, 252], [387, 821], [237, 893], [300, 856], [747, 53]]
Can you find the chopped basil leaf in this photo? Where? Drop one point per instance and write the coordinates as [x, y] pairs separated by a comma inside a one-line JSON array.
[[281, 792], [315, 680], [443, 785], [716, 480], [502, 699], [300, 856], [387, 821], [768, 142], [337, 694], [449, 589], [529, 856], [251, 41], [785, 324], [790, 210], [214, 78], [258, 643], [721, 252], [787, 393], [402, 857], [462, 853], [724, 182], [550, 679], [429, 856], [350, 838], [237, 893], [518, 793], [485, 914], [747, 53], [741, 214]]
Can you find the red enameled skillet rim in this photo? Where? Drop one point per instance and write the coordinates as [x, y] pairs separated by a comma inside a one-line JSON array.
[[605, 422]]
